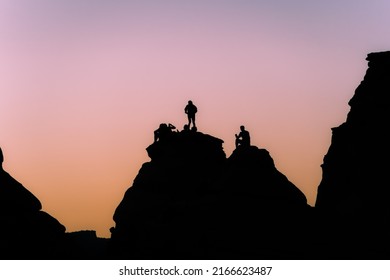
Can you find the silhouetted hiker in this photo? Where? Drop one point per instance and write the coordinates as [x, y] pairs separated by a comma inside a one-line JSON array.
[[163, 131], [191, 110], [243, 139]]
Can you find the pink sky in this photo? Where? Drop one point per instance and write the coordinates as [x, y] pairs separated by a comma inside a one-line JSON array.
[[83, 85]]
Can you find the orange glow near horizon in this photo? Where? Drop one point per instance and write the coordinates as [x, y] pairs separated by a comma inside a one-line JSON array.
[[83, 87]]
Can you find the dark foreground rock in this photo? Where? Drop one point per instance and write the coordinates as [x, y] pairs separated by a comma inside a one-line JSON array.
[[26, 231], [353, 196], [83, 245]]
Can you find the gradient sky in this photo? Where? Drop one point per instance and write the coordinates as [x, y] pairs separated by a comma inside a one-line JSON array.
[[84, 83]]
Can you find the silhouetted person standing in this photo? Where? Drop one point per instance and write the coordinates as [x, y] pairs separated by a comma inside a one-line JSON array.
[[191, 110], [243, 139]]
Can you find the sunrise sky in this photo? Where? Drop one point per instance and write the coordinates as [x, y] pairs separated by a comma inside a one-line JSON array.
[[83, 85]]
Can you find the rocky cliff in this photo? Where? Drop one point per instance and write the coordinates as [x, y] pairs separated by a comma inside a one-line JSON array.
[[190, 201], [353, 196], [26, 231]]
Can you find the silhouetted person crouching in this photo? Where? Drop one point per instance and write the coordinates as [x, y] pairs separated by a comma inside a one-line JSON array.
[[243, 139], [163, 131], [191, 110]]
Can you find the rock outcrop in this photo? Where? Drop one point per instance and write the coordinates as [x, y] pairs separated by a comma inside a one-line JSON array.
[[191, 202], [26, 231], [353, 196]]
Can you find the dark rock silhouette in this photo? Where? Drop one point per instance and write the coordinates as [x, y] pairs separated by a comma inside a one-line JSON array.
[[26, 231], [153, 212], [353, 196], [83, 245], [252, 171], [191, 202], [15, 198], [255, 210]]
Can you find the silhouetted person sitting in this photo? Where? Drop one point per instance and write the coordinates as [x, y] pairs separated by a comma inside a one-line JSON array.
[[163, 131], [243, 139], [191, 110]]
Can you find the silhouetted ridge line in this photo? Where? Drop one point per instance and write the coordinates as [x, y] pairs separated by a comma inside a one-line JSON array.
[[248, 166], [353, 194], [186, 201], [26, 232]]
